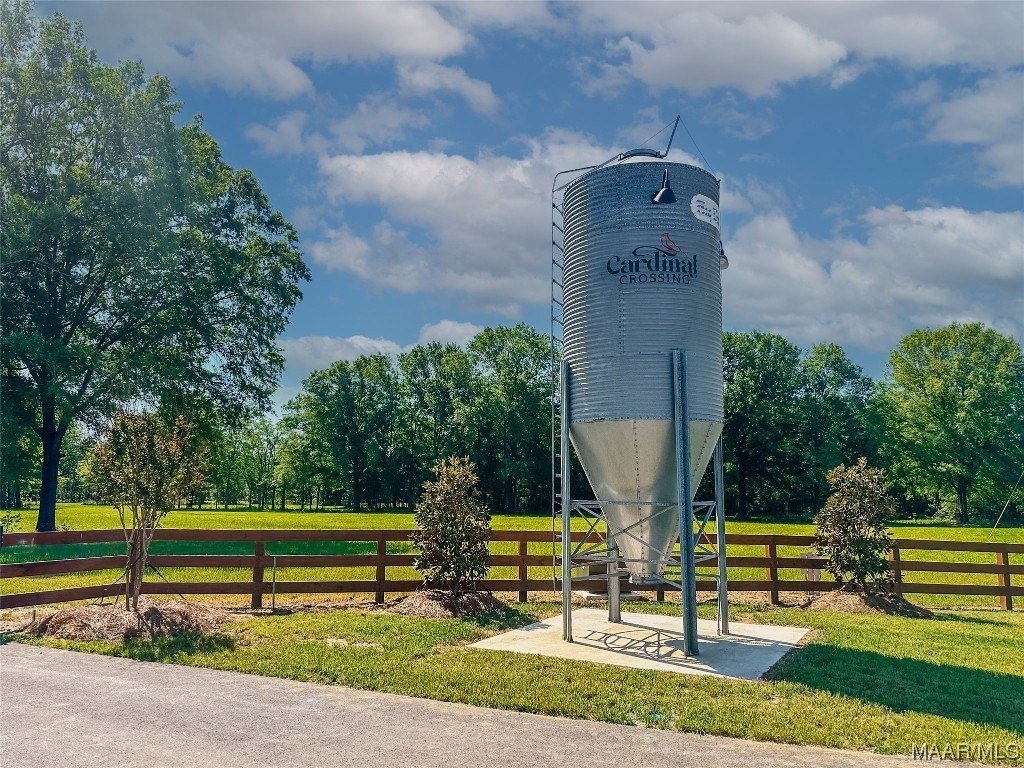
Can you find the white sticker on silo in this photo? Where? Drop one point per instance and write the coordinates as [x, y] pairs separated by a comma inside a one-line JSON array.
[[705, 209]]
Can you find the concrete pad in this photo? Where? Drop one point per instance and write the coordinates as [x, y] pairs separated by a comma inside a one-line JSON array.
[[646, 641]]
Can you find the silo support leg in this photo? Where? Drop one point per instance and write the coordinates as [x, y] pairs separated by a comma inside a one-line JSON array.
[[687, 565], [723, 571], [565, 447], [614, 598]]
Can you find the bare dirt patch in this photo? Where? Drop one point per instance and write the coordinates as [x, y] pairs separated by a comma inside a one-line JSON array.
[[438, 604], [113, 623], [858, 602]]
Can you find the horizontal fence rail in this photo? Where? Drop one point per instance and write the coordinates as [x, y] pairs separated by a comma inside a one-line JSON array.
[[261, 565]]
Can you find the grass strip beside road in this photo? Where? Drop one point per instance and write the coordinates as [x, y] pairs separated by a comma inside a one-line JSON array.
[[863, 681]]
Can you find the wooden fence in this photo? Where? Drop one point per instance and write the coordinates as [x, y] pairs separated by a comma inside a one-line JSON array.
[[263, 565]]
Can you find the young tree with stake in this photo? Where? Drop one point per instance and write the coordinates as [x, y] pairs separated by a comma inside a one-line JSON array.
[[144, 467]]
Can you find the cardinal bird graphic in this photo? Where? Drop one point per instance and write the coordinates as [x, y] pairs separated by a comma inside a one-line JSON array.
[[668, 244]]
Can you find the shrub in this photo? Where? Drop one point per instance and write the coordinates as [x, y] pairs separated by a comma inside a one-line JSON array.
[[851, 526], [144, 466], [454, 528]]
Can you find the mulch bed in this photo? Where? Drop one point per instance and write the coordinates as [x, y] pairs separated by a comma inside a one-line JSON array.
[[881, 602], [113, 623], [439, 604]]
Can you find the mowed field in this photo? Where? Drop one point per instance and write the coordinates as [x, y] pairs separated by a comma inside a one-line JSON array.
[[88, 516]]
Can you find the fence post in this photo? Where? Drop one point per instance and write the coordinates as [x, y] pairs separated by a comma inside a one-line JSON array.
[[259, 550], [897, 570], [771, 552], [382, 550], [524, 573], [1006, 599]]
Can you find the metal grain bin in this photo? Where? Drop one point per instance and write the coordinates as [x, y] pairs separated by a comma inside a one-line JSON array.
[[641, 280]]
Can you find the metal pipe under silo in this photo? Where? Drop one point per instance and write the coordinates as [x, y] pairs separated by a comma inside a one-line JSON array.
[[687, 568], [614, 595], [566, 506], [723, 571]]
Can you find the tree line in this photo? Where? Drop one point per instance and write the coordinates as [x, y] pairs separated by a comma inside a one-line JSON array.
[[945, 420]]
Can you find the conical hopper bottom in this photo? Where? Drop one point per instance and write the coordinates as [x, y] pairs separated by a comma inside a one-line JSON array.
[[634, 460]]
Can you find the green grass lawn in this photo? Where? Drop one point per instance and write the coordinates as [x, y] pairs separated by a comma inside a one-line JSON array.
[[863, 681], [87, 516]]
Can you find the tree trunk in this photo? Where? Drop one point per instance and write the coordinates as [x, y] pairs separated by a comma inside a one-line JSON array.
[[52, 438], [136, 569], [961, 501]]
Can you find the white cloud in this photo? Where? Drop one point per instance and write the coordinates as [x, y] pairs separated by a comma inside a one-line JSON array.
[[734, 120], [913, 268], [257, 47], [311, 353], [377, 120], [448, 332], [288, 135], [921, 34], [925, 92], [528, 17], [991, 117], [428, 78], [695, 49], [474, 227], [743, 46], [305, 354]]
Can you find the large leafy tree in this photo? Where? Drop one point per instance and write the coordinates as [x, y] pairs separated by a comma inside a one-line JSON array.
[[348, 413], [261, 440], [437, 389], [511, 415], [765, 450], [953, 403], [19, 445], [136, 261], [834, 419]]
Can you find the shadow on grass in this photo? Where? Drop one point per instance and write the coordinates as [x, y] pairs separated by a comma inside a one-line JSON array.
[[961, 618], [177, 647], [908, 685]]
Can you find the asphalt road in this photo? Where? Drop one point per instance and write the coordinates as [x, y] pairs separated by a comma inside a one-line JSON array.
[[59, 708]]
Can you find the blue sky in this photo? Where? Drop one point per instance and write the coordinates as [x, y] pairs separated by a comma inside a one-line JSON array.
[[872, 155]]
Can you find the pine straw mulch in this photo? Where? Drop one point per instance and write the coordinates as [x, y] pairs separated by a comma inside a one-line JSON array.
[[113, 623], [878, 602], [440, 604]]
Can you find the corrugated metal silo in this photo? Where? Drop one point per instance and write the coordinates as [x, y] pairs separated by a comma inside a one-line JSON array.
[[641, 280]]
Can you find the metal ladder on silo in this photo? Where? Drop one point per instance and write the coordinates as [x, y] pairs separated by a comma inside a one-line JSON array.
[[558, 504]]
